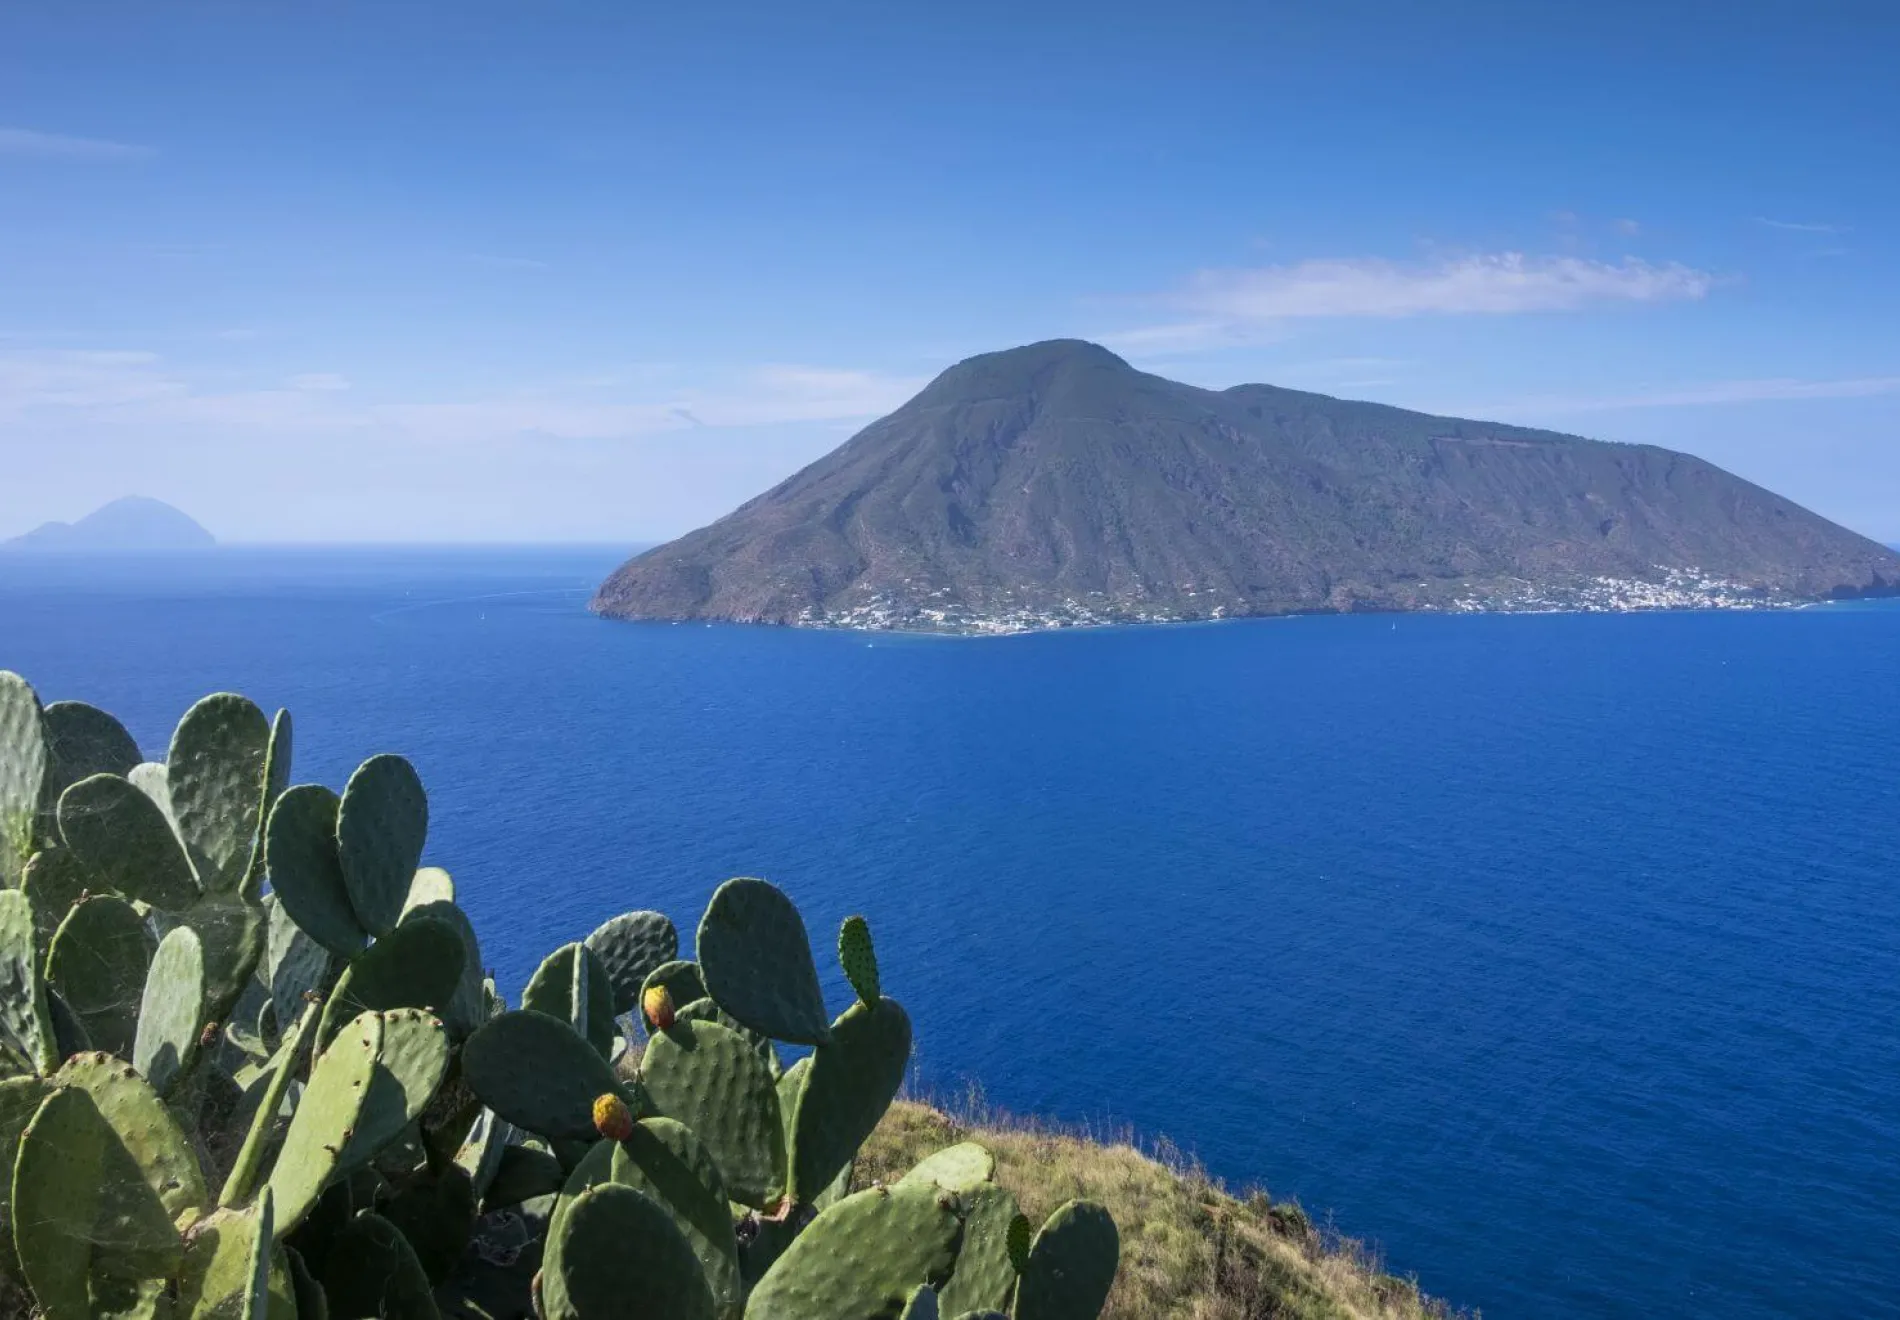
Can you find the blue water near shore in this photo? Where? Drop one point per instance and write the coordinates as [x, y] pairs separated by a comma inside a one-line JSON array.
[[1558, 954]]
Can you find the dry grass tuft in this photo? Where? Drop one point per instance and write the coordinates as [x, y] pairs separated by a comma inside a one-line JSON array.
[[1190, 1249]]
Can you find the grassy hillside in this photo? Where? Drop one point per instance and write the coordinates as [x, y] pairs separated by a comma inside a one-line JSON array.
[[1190, 1249]]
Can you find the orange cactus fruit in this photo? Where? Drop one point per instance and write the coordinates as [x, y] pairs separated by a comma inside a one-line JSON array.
[[612, 1119], [658, 1003]]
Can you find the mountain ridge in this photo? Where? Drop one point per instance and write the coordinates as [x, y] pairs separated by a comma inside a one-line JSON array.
[[1054, 484], [131, 523]]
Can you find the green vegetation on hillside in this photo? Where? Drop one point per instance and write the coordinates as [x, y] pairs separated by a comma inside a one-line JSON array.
[[1191, 1250]]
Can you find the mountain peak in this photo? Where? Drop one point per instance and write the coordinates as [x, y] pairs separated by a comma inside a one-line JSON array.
[[133, 522], [1055, 484]]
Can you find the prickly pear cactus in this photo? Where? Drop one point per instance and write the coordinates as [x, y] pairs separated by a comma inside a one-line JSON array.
[[756, 959], [859, 959], [863, 1257], [22, 774], [1071, 1265]]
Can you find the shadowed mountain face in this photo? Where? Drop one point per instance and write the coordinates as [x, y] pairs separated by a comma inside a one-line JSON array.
[[132, 523], [1056, 484]]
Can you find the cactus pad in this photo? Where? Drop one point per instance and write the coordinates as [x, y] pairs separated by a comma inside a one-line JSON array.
[[756, 959], [710, 1078], [54, 879], [82, 741], [24, 1018], [123, 838], [863, 1257], [20, 1099], [171, 1011], [859, 959], [294, 963], [668, 1162], [536, 1072], [230, 1271], [325, 1120], [1018, 1239], [552, 991], [215, 771], [1071, 1265], [22, 774], [922, 1305], [412, 1057], [417, 965], [629, 947], [852, 1081], [373, 1274], [985, 1273], [145, 1127], [97, 962], [958, 1168], [381, 825], [619, 1253], [306, 874], [467, 1008], [84, 1218], [431, 885]]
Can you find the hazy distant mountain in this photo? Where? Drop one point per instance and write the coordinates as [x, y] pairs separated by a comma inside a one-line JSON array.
[[133, 523], [1056, 484]]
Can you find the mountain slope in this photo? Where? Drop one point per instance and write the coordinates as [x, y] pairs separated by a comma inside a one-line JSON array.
[[1056, 484], [132, 523]]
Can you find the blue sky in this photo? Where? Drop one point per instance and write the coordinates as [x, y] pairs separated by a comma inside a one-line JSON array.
[[487, 271]]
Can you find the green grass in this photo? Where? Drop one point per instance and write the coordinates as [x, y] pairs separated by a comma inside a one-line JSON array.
[[1191, 1250]]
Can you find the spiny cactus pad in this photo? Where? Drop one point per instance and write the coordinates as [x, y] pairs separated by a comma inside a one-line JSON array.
[[20, 1099], [852, 1082], [957, 1168], [97, 962], [53, 880], [1071, 1265], [711, 1079], [373, 1274], [145, 1127], [325, 1120], [83, 1214], [756, 959], [630, 946], [24, 1018], [215, 770], [431, 885], [859, 958], [618, 1253], [416, 965], [412, 1057], [294, 963], [381, 825], [537, 1073], [985, 1275], [668, 1162], [862, 1258], [22, 773], [125, 841], [306, 874], [82, 741], [172, 1010], [552, 991], [229, 1261], [467, 1008]]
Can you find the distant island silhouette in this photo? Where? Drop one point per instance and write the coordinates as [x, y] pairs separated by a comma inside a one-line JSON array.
[[129, 524]]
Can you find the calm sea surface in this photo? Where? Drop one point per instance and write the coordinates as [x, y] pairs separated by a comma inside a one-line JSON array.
[[1560, 955]]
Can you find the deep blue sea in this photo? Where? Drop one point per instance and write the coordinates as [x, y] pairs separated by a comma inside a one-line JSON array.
[[1560, 955]]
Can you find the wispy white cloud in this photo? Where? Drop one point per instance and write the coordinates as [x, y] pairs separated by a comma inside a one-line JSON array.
[[1627, 227], [61, 146], [1484, 284], [1229, 307], [1801, 227], [1762, 390], [320, 381], [140, 389]]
